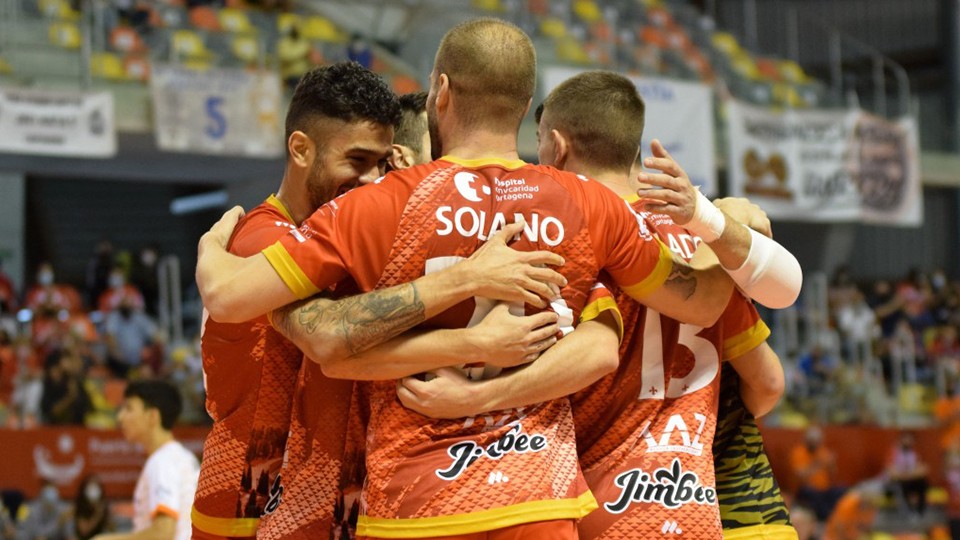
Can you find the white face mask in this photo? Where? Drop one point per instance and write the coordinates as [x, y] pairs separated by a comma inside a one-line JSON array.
[[45, 278], [49, 494], [92, 492], [115, 281]]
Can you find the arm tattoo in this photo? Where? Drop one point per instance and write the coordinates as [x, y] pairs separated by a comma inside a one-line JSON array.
[[360, 322], [682, 280]]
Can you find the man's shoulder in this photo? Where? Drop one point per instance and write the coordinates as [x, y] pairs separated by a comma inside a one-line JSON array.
[[260, 227]]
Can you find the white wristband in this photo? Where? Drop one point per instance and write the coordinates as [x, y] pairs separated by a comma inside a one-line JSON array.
[[771, 275], [708, 221]]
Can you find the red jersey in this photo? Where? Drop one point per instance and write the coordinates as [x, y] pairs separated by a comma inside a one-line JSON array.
[[441, 477], [645, 432], [250, 371]]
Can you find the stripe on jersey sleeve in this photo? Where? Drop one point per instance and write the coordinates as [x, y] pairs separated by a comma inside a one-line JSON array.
[[598, 306], [165, 510], [657, 277], [229, 527], [744, 342], [291, 273]]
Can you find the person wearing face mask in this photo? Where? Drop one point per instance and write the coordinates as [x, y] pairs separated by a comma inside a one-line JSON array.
[[117, 291], [91, 510], [47, 516], [814, 467], [47, 297], [128, 333]]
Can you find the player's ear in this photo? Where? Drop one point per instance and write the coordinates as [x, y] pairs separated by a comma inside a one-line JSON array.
[[443, 92], [301, 149], [561, 149], [401, 158]]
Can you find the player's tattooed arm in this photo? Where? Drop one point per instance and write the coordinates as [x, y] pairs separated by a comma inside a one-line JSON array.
[[325, 328], [683, 280], [690, 294]]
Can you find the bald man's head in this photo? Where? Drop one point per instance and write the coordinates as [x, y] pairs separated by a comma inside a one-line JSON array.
[[492, 67]]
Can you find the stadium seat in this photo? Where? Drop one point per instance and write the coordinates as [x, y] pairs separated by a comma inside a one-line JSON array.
[[64, 34], [205, 18], [786, 95], [5, 68], [403, 84], [235, 21], [652, 35], [553, 27], [587, 10], [792, 72], [539, 8], [137, 68], [768, 69], [245, 48], [725, 43], [58, 9], [491, 6], [107, 65], [189, 44], [286, 21], [744, 65], [571, 50], [126, 39], [316, 28], [171, 16]]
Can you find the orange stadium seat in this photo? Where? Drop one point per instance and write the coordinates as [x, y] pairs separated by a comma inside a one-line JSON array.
[[137, 68], [539, 8], [126, 39], [768, 69], [652, 35], [205, 18], [601, 31], [661, 17], [64, 34], [403, 84]]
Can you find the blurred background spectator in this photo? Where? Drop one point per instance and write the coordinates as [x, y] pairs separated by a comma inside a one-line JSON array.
[[91, 515]]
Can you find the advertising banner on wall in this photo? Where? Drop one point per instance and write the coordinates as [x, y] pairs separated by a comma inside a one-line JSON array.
[[679, 114], [64, 456], [217, 111], [825, 165], [57, 123]]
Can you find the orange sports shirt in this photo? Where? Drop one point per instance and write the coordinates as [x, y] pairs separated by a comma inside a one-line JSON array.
[[442, 477], [645, 431], [250, 371]]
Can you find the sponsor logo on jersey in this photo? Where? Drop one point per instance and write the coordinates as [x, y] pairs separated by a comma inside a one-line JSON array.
[[670, 487], [514, 441], [675, 436], [275, 497]]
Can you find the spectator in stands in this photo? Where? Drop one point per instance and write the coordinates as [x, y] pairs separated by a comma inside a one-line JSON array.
[[814, 468], [145, 275], [294, 53], [65, 398], [858, 325], [8, 365], [91, 514], [907, 474], [47, 516], [8, 528], [8, 293], [47, 298], [854, 514], [118, 290], [359, 51], [129, 332], [28, 387], [98, 271], [818, 368]]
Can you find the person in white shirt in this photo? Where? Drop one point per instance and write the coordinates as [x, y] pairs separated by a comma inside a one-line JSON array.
[[164, 493]]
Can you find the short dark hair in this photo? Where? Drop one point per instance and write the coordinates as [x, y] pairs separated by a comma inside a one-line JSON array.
[[412, 123], [601, 113], [346, 91], [158, 394]]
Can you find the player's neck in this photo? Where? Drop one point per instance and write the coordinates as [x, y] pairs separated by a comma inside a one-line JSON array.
[[157, 439], [616, 181], [295, 199], [478, 144]]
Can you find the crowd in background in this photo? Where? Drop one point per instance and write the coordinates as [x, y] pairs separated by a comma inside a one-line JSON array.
[[67, 350]]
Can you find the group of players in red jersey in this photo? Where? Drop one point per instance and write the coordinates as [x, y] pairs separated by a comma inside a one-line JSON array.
[[499, 457]]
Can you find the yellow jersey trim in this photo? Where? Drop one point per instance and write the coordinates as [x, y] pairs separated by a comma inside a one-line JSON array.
[[632, 198], [484, 162], [594, 309], [473, 522], [656, 278], [291, 274], [236, 527], [746, 341], [761, 532], [273, 201]]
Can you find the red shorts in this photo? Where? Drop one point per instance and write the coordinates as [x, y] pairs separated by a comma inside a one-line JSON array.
[[561, 529]]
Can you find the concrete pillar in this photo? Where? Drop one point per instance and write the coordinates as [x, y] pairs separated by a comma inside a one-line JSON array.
[[13, 200]]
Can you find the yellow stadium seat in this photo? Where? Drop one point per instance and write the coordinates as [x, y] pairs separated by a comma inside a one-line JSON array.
[[493, 6], [58, 9], [553, 27], [587, 10], [792, 72], [197, 64], [726, 43], [188, 44], [570, 50], [317, 28], [107, 66], [245, 48], [286, 21], [787, 95], [744, 65], [236, 21], [5, 67], [64, 34]]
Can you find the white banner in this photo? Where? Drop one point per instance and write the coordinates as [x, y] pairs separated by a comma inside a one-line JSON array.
[[825, 165], [217, 111], [678, 113], [56, 123]]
